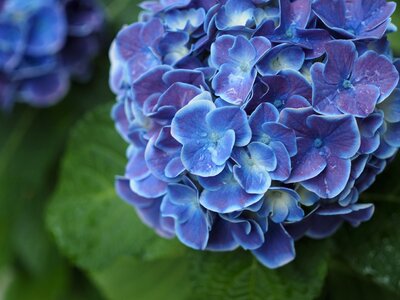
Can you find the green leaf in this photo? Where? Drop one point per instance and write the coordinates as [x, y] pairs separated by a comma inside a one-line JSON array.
[[91, 225], [373, 249], [231, 276], [160, 279], [238, 275], [31, 141], [343, 283]]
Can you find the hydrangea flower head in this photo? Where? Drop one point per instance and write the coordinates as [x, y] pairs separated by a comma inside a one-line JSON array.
[[43, 43], [255, 123]]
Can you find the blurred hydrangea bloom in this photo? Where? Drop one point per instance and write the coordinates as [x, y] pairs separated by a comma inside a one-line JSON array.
[[43, 43], [253, 123]]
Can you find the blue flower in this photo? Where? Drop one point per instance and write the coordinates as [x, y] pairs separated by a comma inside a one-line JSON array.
[[252, 123], [325, 148], [292, 28], [137, 43], [42, 45], [224, 194], [208, 135], [282, 204], [360, 19], [236, 14], [350, 84], [236, 58], [192, 222]]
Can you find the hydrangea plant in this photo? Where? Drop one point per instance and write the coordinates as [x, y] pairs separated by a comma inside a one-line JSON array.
[[43, 43], [254, 123]]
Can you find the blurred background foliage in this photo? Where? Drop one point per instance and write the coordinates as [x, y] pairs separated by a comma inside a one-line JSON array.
[[65, 235]]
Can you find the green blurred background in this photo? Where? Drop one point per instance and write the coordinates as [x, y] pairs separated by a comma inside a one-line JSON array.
[[32, 143]]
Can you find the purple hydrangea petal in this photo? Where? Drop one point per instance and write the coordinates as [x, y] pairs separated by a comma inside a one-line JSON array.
[[332, 181], [340, 134], [341, 57], [373, 69], [307, 163]]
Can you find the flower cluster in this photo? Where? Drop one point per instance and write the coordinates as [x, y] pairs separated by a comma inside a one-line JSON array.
[[42, 44], [253, 123]]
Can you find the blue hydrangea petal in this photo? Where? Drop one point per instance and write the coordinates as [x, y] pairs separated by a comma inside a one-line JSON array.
[[264, 113], [254, 166], [392, 135], [307, 163], [149, 187], [223, 194], [220, 50], [296, 120], [332, 181], [391, 107], [137, 167], [283, 205], [150, 215], [233, 85], [235, 13], [233, 118], [149, 83], [278, 248], [374, 69], [185, 20], [221, 238], [197, 159], [262, 45], [222, 151], [341, 58], [295, 13], [284, 166], [281, 57], [195, 232], [44, 90], [360, 213], [313, 41], [249, 239], [125, 192], [375, 14], [47, 32], [324, 94], [173, 47], [189, 122], [359, 101], [280, 133], [340, 134], [243, 51], [284, 86], [11, 38]]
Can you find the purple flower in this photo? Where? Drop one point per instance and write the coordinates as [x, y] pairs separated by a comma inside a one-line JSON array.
[[325, 148], [358, 19], [350, 84], [236, 58]]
